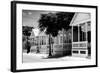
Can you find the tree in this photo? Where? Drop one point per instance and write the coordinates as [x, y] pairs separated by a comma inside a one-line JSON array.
[[47, 22], [27, 30], [64, 19], [26, 33], [52, 23]]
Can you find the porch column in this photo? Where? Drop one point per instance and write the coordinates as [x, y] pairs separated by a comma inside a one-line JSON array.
[[86, 35], [72, 35], [78, 34], [86, 30]]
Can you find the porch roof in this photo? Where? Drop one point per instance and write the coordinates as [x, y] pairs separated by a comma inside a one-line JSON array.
[[80, 18]]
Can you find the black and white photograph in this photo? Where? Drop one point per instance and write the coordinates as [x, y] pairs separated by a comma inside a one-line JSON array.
[[53, 36]]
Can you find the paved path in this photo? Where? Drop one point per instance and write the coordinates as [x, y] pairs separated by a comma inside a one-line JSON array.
[[32, 57]]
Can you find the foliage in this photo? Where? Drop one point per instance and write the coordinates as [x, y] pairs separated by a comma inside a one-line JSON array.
[[63, 20], [52, 23], [48, 21], [27, 30], [25, 34]]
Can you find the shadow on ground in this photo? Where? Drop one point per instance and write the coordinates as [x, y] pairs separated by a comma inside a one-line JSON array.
[[55, 56]]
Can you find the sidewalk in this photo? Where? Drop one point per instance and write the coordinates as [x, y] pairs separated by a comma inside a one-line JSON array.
[[34, 57], [38, 55]]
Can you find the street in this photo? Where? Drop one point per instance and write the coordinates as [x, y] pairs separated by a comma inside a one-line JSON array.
[[33, 57]]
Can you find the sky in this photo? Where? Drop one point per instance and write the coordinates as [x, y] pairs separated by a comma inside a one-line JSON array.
[[31, 17]]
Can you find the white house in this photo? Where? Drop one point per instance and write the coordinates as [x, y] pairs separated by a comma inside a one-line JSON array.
[[60, 43], [81, 34]]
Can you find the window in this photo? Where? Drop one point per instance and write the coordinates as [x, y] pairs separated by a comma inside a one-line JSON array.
[[75, 51], [57, 40], [89, 31], [44, 40], [61, 39], [83, 52], [40, 40], [82, 32], [65, 39], [75, 33]]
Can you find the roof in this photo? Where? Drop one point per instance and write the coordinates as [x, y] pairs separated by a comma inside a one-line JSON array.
[[39, 34], [79, 18], [32, 35]]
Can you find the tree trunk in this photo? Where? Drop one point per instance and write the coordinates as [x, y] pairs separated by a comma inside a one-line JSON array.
[[28, 46], [38, 50], [50, 53], [52, 46], [63, 40]]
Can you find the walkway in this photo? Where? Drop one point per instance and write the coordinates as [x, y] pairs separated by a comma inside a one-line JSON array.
[[33, 57]]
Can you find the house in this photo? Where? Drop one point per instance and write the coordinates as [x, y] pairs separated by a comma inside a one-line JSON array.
[[61, 44], [81, 34]]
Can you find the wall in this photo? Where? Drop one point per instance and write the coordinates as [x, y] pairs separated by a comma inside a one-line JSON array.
[[5, 37]]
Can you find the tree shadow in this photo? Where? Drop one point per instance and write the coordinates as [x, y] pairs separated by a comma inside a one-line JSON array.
[[55, 56]]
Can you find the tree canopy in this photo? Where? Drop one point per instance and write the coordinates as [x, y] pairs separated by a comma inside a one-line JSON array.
[[27, 30], [52, 23], [64, 19]]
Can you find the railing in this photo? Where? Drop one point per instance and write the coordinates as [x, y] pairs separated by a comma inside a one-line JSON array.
[[79, 44], [80, 49]]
